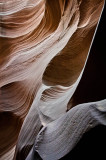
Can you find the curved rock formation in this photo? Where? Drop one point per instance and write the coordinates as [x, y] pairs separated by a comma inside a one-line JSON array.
[[44, 47]]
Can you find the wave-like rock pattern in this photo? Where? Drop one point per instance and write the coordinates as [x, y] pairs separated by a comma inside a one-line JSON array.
[[60, 136], [44, 48]]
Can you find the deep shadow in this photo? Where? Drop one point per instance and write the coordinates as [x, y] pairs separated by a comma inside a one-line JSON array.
[[92, 86], [91, 146]]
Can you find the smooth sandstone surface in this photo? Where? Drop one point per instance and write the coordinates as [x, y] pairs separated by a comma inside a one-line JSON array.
[[44, 48]]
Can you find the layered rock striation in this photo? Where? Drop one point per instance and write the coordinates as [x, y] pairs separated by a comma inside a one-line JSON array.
[[44, 47]]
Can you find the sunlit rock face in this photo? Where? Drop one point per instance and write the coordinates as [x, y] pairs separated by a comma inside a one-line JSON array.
[[44, 47]]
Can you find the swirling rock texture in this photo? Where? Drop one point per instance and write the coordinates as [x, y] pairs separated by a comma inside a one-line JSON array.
[[44, 47]]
